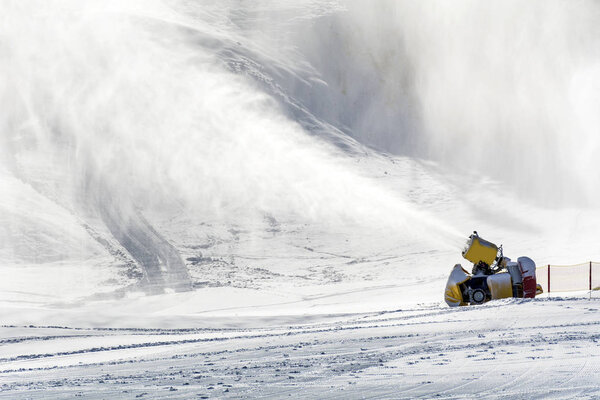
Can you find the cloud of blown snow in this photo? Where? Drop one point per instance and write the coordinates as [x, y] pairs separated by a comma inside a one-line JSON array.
[[504, 88], [128, 104]]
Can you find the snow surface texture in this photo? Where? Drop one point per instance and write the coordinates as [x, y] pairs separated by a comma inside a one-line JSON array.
[[550, 351], [191, 187]]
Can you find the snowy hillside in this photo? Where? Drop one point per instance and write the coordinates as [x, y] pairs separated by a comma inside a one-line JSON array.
[[241, 171]]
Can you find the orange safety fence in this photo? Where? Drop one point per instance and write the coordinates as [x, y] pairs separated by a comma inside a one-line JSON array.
[[568, 278]]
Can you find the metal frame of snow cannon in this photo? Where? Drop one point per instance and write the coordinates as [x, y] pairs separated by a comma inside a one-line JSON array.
[[493, 276]]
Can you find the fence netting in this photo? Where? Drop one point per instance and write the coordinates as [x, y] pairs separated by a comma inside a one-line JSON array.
[[566, 278]]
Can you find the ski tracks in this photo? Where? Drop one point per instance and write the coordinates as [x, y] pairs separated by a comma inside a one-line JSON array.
[[419, 353]]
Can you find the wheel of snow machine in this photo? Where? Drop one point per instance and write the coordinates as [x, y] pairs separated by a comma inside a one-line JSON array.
[[478, 296], [475, 290]]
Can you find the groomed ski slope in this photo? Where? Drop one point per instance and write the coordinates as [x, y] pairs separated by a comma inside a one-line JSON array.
[[513, 349]]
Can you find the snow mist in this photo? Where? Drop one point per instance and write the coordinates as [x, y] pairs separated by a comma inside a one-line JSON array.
[[111, 107], [504, 89]]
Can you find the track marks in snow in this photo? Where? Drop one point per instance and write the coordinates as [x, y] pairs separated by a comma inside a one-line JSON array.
[[508, 349]]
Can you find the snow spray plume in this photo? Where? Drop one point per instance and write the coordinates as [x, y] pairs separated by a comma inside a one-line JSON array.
[[126, 105], [501, 88]]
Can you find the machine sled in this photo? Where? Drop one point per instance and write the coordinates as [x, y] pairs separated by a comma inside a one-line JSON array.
[[493, 276]]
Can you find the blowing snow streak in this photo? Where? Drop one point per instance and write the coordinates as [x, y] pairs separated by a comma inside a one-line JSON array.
[[162, 264]]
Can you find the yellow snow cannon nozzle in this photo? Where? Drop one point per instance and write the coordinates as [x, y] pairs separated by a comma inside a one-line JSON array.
[[478, 249]]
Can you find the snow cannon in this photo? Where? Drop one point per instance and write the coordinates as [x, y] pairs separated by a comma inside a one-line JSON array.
[[479, 250], [493, 276]]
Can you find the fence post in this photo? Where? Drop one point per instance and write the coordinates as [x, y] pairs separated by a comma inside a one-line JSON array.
[[590, 280], [548, 278]]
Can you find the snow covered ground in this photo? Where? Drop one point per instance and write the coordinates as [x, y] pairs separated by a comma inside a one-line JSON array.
[[517, 349], [214, 199]]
